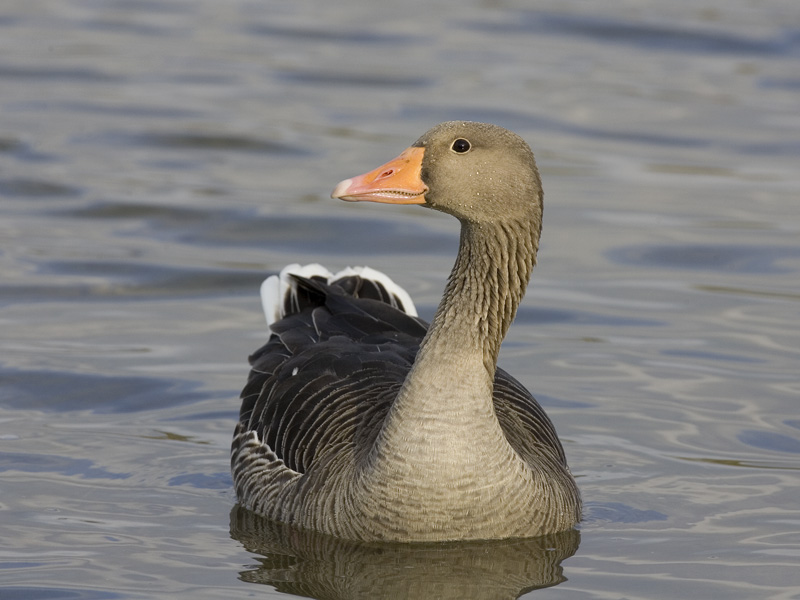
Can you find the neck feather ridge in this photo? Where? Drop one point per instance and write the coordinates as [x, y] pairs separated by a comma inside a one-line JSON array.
[[485, 288]]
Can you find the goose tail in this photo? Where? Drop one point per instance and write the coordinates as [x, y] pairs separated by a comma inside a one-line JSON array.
[[280, 297]]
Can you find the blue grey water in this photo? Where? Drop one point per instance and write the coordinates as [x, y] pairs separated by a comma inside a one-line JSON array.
[[159, 157]]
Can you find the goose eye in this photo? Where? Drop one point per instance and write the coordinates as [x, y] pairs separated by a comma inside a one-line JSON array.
[[460, 145]]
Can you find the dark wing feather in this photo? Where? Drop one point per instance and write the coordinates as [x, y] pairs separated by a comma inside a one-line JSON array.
[[327, 371], [363, 287], [528, 429]]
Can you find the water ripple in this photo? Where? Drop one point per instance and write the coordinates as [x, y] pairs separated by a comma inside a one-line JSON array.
[[53, 593], [626, 32], [62, 465], [83, 75], [306, 34], [36, 188], [337, 78], [718, 257], [769, 440], [55, 391], [182, 140]]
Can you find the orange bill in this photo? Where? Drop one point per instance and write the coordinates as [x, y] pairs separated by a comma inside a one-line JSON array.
[[396, 182]]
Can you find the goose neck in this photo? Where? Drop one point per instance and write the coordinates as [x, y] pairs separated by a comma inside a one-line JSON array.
[[485, 287]]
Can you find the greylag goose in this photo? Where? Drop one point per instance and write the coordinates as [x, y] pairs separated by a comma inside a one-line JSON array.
[[361, 421]]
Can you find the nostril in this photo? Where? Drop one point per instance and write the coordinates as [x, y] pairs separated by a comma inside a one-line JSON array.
[[386, 173]]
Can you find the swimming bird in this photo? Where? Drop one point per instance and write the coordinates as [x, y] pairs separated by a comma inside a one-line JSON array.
[[362, 421]]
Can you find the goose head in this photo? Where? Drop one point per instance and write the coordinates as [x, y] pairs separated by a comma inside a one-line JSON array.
[[479, 173]]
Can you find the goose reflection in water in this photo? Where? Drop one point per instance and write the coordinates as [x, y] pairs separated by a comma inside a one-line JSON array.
[[318, 566]]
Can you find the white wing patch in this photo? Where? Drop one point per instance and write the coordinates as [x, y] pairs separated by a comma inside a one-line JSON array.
[[385, 281], [274, 289]]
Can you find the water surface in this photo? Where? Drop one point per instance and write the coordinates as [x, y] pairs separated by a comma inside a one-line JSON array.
[[159, 157]]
